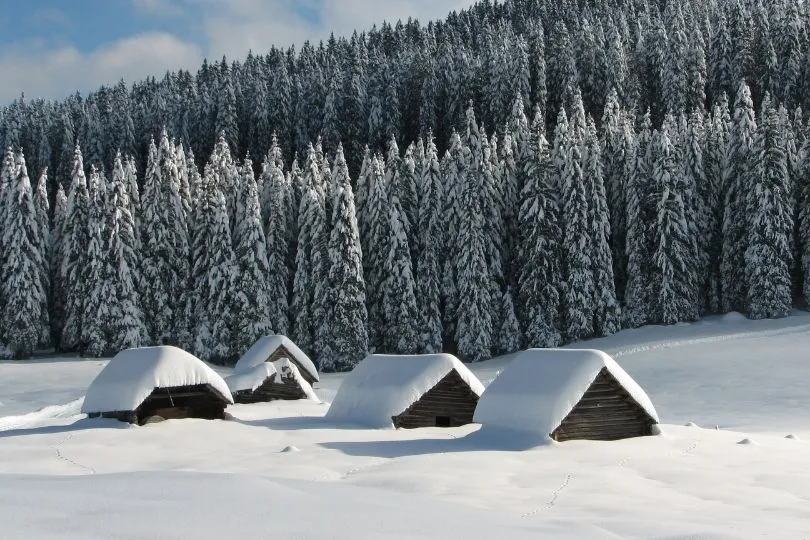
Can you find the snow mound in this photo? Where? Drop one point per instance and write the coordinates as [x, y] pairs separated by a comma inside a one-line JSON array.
[[747, 442], [540, 387], [288, 449], [132, 375], [691, 424], [733, 316], [383, 386], [266, 346], [792, 437], [250, 378]]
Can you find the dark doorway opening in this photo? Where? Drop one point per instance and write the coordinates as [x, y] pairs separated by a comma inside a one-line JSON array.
[[443, 421]]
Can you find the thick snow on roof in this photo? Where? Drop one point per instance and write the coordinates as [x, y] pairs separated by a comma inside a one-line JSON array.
[[382, 386], [262, 349], [252, 378], [285, 367], [538, 389], [132, 375]]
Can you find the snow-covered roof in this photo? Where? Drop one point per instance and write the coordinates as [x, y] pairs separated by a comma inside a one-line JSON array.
[[266, 346], [382, 386], [540, 387], [133, 374], [252, 378]]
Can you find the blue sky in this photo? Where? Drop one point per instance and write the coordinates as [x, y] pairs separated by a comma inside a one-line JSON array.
[[50, 48]]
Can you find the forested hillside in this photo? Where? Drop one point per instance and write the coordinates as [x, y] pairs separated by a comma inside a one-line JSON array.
[[523, 174]]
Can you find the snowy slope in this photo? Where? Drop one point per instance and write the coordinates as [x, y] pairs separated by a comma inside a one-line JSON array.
[[62, 476]]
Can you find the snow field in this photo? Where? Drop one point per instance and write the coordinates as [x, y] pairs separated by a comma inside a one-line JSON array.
[[63, 476]]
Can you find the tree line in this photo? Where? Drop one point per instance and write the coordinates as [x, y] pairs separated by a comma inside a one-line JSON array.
[[525, 173]]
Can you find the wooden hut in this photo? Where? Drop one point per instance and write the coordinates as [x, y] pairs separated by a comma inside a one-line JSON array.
[[274, 348], [432, 390], [164, 382], [567, 394], [269, 382]]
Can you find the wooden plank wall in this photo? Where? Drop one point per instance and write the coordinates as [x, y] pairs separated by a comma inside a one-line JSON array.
[[197, 401], [451, 397], [271, 390], [282, 352], [606, 412]]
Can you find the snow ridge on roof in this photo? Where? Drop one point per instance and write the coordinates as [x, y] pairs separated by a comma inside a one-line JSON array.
[[264, 347], [129, 378], [252, 378], [382, 386], [540, 387]]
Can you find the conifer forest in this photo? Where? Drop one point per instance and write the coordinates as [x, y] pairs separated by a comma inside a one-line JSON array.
[[526, 173]]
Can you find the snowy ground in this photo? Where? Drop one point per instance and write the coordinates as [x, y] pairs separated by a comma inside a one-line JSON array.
[[280, 471]]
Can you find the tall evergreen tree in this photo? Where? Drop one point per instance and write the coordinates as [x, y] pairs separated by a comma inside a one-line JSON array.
[[250, 294], [768, 258], [277, 207], [23, 292], [429, 232], [736, 183], [74, 258], [347, 316], [212, 272]]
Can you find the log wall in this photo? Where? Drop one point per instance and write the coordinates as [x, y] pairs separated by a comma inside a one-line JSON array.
[[606, 412], [450, 403], [270, 390], [282, 352]]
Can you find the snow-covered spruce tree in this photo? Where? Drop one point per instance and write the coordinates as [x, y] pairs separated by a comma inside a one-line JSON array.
[[539, 278], [606, 310], [511, 204], [736, 183], [640, 216], [131, 180], [673, 260], [429, 232], [55, 255], [318, 175], [375, 252], [491, 197], [43, 245], [311, 221], [699, 201], [474, 312], [8, 175], [577, 309], [401, 333], [250, 295], [346, 316], [510, 337], [453, 170], [714, 165], [277, 206], [227, 175], [408, 179], [615, 151], [126, 326], [22, 291], [362, 195], [768, 258], [212, 272], [94, 332], [74, 257]]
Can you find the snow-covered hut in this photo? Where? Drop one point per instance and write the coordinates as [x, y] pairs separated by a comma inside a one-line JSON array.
[[268, 382], [407, 392], [273, 348], [157, 381], [567, 394]]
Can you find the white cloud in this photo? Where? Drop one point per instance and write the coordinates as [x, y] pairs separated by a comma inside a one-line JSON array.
[[234, 27], [56, 72], [230, 28]]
